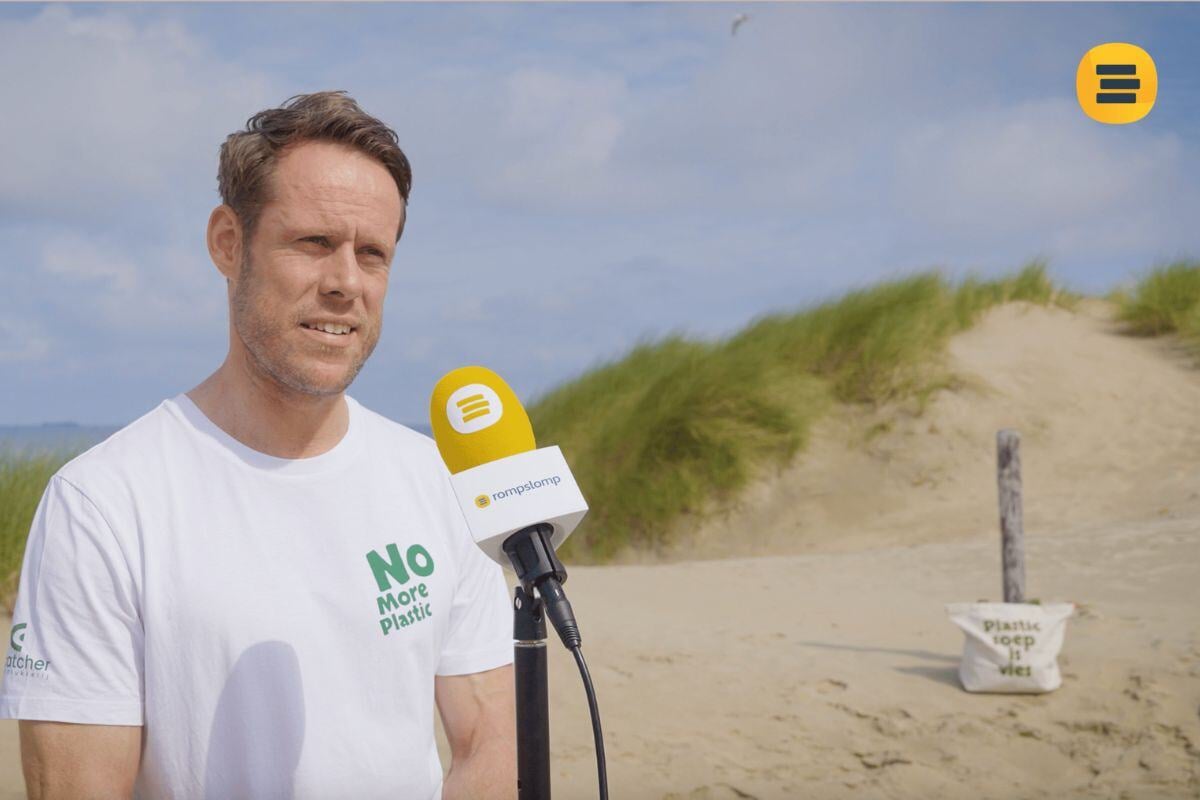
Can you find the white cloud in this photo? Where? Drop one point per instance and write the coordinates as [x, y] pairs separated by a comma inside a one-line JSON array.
[[417, 347], [465, 308], [72, 256], [561, 130], [22, 340], [153, 288], [109, 110], [791, 117], [1041, 173]]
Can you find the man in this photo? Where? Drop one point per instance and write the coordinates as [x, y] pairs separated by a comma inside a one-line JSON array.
[[261, 588]]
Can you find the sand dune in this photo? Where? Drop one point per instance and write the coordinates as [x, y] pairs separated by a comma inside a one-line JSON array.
[[799, 646], [1110, 431]]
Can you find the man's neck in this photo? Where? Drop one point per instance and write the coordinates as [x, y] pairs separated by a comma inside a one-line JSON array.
[[270, 418]]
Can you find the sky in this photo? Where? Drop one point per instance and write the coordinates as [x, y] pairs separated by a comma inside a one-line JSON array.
[[586, 176]]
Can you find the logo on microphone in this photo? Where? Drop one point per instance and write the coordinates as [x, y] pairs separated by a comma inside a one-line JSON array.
[[516, 491], [474, 407]]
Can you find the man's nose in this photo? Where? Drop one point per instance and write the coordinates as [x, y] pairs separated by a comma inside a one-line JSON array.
[[341, 275]]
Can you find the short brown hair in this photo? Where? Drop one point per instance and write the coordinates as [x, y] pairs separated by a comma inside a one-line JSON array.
[[248, 157]]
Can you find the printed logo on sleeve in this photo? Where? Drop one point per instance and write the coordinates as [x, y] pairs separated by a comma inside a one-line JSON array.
[[402, 601], [19, 664]]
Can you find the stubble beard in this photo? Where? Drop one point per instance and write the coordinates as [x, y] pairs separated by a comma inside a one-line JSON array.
[[264, 340]]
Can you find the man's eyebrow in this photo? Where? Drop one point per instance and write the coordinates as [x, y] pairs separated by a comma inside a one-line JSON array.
[[316, 230], [379, 244], [306, 231]]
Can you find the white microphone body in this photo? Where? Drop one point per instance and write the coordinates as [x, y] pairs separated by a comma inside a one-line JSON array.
[[501, 497]]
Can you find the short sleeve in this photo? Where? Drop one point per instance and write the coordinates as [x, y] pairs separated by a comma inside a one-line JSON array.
[[76, 646], [480, 629]]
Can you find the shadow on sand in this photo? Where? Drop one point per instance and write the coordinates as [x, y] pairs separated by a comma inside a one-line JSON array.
[[945, 674]]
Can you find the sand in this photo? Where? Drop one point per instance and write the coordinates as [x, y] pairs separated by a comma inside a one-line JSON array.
[[835, 675], [799, 647]]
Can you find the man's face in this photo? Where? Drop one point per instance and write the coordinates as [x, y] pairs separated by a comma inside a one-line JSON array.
[[319, 258]]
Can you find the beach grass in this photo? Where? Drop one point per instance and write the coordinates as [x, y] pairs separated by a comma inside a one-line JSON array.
[[679, 424], [1165, 300], [23, 478]]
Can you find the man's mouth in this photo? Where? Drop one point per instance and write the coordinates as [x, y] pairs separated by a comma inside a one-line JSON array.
[[335, 328]]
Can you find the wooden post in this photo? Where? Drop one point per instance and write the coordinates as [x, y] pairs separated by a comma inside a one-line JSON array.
[[1012, 525]]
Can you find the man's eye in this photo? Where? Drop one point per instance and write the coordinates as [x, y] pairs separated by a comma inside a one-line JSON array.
[[321, 240]]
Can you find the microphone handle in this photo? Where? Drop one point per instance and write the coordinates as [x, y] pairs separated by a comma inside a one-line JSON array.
[[537, 567]]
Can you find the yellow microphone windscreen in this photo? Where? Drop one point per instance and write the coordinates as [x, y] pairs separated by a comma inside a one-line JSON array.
[[477, 418]]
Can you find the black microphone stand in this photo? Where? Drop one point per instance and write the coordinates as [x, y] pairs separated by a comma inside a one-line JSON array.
[[539, 595], [533, 706]]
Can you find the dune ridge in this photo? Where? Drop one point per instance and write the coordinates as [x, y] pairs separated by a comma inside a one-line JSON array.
[[1110, 429]]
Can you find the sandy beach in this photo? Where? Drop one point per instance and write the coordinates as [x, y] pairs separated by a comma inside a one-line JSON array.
[[798, 645], [835, 675]]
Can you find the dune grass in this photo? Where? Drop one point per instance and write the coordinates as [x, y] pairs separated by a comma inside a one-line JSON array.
[[678, 424], [23, 478], [1165, 300]]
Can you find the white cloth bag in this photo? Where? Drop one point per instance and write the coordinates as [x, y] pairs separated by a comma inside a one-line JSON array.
[[1011, 647]]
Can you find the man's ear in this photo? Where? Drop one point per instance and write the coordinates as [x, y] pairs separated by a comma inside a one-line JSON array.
[[225, 241]]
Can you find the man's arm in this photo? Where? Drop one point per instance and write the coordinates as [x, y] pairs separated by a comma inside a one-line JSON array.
[[65, 761], [479, 716]]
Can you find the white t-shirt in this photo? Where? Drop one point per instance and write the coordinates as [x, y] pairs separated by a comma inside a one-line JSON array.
[[275, 624]]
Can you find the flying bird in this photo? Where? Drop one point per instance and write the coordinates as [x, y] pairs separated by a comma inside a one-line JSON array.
[[737, 23]]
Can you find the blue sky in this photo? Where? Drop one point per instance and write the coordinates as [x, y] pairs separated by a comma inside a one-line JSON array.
[[585, 176]]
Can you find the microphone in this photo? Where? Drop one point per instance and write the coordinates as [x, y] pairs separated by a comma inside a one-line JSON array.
[[520, 502]]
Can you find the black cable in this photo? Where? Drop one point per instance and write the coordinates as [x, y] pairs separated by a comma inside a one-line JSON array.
[[594, 709]]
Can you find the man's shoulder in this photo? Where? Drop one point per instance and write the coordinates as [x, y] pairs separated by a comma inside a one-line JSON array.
[[122, 451]]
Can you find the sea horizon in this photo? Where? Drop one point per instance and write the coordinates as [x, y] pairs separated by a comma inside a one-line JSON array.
[[69, 436]]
